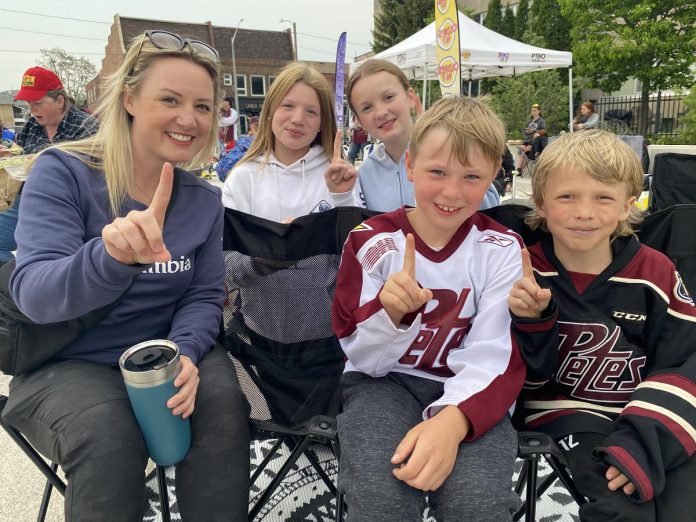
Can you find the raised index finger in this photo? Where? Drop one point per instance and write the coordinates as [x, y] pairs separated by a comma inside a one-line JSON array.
[[338, 149], [527, 270], [160, 201], [410, 257]]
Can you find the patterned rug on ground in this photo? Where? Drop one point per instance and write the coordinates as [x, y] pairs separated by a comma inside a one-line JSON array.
[[304, 497]]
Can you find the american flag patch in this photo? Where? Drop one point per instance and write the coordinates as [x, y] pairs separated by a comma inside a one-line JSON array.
[[496, 240], [376, 251]]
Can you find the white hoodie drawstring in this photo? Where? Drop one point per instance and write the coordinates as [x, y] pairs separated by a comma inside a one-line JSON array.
[[304, 187], [275, 171]]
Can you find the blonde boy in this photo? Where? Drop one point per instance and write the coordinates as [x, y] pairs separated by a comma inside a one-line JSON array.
[[608, 332], [420, 311]]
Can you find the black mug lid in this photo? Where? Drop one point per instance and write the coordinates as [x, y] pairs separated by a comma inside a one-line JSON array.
[[149, 358]]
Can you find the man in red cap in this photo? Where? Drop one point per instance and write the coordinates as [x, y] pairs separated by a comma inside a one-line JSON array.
[[53, 119], [53, 116]]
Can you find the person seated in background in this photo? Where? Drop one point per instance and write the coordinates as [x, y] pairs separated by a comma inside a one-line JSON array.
[[54, 119], [586, 118], [241, 146], [530, 132]]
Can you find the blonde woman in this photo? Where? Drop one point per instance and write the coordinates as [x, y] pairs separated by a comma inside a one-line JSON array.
[[108, 213]]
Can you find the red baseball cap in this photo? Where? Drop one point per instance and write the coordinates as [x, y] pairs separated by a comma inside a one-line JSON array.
[[36, 82]]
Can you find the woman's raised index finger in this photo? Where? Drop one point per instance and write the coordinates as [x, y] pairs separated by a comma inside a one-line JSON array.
[[160, 201]]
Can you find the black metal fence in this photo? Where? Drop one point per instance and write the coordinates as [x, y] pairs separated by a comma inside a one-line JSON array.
[[622, 114]]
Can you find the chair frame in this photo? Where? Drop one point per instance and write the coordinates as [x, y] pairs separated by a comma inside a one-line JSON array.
[[54, 481]]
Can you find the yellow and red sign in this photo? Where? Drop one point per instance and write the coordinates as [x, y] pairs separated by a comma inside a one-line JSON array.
[[447, 49]]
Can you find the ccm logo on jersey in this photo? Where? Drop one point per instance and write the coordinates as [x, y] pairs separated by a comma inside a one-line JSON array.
[[629, 316], [496, 240]]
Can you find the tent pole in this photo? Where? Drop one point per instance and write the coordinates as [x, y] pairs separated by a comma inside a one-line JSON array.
[[425, 86], [570, 98]]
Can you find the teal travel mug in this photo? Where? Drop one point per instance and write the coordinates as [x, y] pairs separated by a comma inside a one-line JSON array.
[[149, 370]]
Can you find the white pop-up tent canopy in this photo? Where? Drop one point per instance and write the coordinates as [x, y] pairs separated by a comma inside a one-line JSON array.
[[484, 54]]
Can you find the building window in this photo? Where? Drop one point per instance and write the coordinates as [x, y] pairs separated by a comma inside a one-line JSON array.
[[258, 85], [271, 79], [227, 79], [241, 85]]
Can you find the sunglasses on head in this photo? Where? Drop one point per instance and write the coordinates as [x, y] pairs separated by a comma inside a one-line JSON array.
[[166, 40]]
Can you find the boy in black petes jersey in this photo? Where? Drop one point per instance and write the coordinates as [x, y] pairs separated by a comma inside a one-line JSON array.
[[608, 332]]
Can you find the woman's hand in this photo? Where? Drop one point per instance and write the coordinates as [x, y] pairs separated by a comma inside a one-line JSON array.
[[341, 175], [187, 381], [137, 238]]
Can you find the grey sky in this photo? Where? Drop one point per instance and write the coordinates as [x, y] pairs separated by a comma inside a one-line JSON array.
[[323, 18]]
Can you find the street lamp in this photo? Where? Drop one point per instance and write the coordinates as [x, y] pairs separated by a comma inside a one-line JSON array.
[[294, 34], [234, 71]]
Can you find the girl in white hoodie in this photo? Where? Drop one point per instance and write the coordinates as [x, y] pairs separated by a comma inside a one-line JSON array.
[[294, 166]]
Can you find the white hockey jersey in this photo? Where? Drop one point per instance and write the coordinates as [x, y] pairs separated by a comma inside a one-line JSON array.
[[461, 337]]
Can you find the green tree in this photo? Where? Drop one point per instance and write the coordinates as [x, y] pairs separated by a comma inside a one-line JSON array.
[[521, 21], [688, 132], [494, 16], [399, 19], [513, 97], [75, 72], [507, 27], [651, 40], [548, 22]]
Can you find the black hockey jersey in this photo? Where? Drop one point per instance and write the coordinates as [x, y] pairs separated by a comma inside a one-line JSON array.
[[618, 359]]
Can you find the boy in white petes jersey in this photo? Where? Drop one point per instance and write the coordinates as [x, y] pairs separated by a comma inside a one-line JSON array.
[[421, 313], [608, 332]]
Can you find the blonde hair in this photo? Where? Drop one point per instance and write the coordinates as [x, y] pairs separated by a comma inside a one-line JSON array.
[[370, 67], [597, 153], [470, 124], [109, 150], [264, 142]]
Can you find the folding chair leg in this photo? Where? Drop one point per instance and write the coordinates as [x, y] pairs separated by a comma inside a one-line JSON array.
[[565, 479], [530, 508], [264, 463], [519, 485], [279, 477], [163, 494], [314, 461], [36, 459], [46, 499]]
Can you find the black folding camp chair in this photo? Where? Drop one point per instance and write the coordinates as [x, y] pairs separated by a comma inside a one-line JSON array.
[[673, 181], [280, 281]]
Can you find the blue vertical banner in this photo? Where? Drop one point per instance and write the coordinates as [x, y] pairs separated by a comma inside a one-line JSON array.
[[340, 74]]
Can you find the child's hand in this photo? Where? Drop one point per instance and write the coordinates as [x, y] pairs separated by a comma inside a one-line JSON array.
[[401, 294], [617, 480], [431, 449], [527, 298], [341, 175]]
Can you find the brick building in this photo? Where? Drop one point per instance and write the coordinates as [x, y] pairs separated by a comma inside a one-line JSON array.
[[259, 55]]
